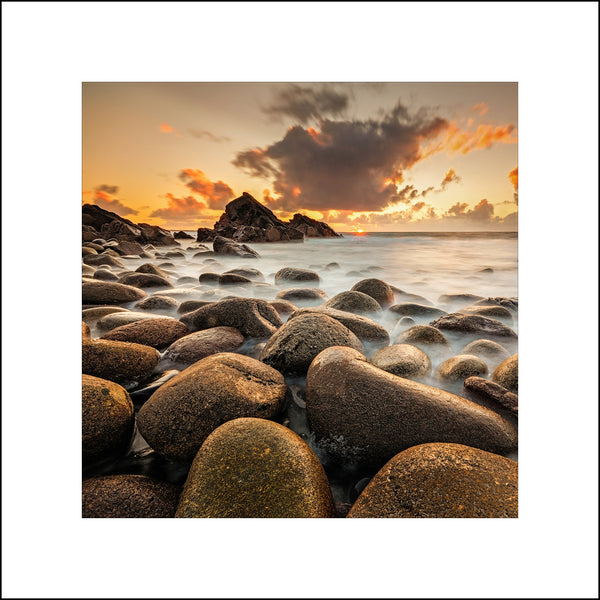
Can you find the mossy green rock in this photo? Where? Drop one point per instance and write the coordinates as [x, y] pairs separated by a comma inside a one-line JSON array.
[[507, 374], [255, 468], [179, 416], [106, 418], [441, 481], [360, 413]]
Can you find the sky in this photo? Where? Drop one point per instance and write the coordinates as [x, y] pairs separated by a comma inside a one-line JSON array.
[[360, 156]]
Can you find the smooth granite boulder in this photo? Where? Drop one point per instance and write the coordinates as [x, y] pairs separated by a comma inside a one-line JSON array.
[[290, 275], [196, 346], [377, 289], [459, 367], [303, 296], [157, 333], [403, 360], [441, 481], [507, 374], [118, 319], [419, 311], [490, 351], [499, 313], [474, 325], [477, 388], [108, 292], [145, 280], [362, 414], [354, 302], [253, 468]]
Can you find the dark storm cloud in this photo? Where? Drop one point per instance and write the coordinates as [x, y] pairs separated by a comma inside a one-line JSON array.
[[346, 165], [306, 103]]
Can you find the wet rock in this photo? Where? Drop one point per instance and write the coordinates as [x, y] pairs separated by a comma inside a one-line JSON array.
[[312, 228], [459, 299], [114, 319], [361, 414], [255, 468], [151, 269], [104, 275], [97, 247], [403, 360], [509, 303], [144, 280], [110, 252], [363, 328], [128, 248], [354, 302], [332, 266], [85, 251], [121, 362], [190, 305], [487, 349], [283, 307], [222, 245], [179, 416], [186, 280], [234, 279], [208, 277], [252, 317], [291, 275], [102, 259], [157, 333], [460, 367], [108, 292], [196, 346], [425, 337], [91, 315], [106, 418], [182, 235], [85, 330], [493, 312], [128, 497], [180, 294], [294, 346], [421, 311], [87, 270], [474, 325], [306, 296], [157, 303], [377, 289], [248, 272], [175, 254], [441, 480], [507, 374], [479, 388]]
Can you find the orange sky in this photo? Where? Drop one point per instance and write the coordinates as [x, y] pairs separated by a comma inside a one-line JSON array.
[[377, 157]]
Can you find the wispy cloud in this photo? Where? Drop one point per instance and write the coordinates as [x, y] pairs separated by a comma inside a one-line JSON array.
[[216, 194], [103, 196]]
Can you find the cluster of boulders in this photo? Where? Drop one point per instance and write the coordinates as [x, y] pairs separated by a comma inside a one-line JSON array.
[[215, 402], [247, 220]]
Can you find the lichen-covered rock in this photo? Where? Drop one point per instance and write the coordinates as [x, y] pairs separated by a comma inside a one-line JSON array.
[[460, 367], [359, 413], [108, 292], [507, 374], [441, 481], [253, 468], [106, 418], [252, 317], [377, 289], [128, 497], [354, 302], [157, 333], [196, 346], [403, 360], [179, 416], [121, 362], [294, 346], [473, 325]]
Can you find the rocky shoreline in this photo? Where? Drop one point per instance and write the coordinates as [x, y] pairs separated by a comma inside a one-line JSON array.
[[238, 393]]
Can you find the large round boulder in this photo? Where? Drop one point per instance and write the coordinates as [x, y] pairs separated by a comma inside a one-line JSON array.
[[425, 337], [179, 416], [474, 325], [158, 333], [104, 275], [108, 292], [294, 346], [490, 351], [283, 307], [477, 388], [493, 312], [144, 280], [128, 497], [360, 413], [157, 303], [441, 481], [377, 289], [122, 362], [303, 296], [252, 317], [459, 367], [507, 374], [354, 302], [403, 360], [196, 346], [234, 279], [106, 418], [253, 468], [292, 275]]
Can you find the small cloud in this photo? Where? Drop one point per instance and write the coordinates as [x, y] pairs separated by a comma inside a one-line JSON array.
[[216, 194], [449, 177], [104, 198], [165, 128], [177, 208], [481, 108], [513, 177], [203, 134]]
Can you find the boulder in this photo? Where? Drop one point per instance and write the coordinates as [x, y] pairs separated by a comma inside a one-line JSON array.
[[88, 271], [182, 235], [208, 277], [106, 418], [377, 289], [157, 303], [85, 330], [125, 248], [420, 311], [128, 497], [91, 315], [233, 279], [222, 245], [294, 346], [474, 325], [487, 349], [507, 374], [478, 388], [248, 272], [304, 296], [144, 280], [362, 414], [403, 360], [104, 275], [459, 299], [114, 319], [96, 260], [354, 302], [190, 305], [252, 317], [424, 337], [122, 362], [283, 307], [204, 234], [293, 275], [493, 312], [108, 292], [179, 416], [151, 269], [253, 468], [363, 328], [511, 303], [85, 251], [157, 333], [196, 346], [312, 228], [441, 480], [460, 367]]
